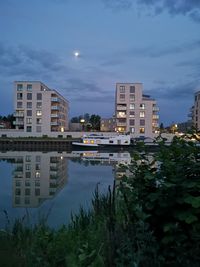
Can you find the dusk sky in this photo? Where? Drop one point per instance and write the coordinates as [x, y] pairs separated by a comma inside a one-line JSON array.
[[155, 42]]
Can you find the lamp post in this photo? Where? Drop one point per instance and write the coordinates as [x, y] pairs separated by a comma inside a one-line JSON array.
[[82, 121]]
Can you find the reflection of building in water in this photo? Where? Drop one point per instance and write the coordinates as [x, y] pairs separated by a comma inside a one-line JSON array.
[[37, 176], [119, 160]]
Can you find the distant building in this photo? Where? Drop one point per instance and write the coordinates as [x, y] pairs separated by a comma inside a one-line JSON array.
[[184, 127], [108, 125], [39, 109], [75, 126], [195, 111], [5, 125], [135, 112]]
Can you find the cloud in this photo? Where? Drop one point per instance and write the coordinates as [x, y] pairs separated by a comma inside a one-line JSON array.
[[190, 8], [177, 91]]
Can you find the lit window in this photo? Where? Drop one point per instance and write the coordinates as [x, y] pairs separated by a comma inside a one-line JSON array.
[[142, 114], [132, 129], [132, 106], [142, 106], [142, 130], [132, 97], [39, 112]]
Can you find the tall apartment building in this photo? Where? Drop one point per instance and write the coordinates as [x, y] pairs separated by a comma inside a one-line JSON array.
[[196, 111], [135, 112], [39, 109]]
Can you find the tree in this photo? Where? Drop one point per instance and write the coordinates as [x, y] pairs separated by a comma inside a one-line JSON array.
[[95, 121]]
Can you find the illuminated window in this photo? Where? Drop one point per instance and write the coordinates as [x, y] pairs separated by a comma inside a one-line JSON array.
[[39, 112], [132, 129], [142, 106], [132, 106], [142, 114], [132, 97], [142, 130]]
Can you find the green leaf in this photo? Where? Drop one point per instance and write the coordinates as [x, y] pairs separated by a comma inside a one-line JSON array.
[[194, 201]]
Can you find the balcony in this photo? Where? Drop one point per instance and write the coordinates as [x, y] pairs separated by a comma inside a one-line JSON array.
[[55, 99], [120, 107], [18, 114], [55, 108], [54, 123], [18, 122], [155, 108], [121, 116], [54, 116], [122, 124], [156, 117]]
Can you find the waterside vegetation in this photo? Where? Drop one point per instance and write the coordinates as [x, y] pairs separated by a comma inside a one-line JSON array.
[[150, 218]]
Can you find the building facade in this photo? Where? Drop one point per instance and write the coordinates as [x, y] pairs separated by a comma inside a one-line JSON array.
[[39, 109], [196, 111], [135, 112], [108, 125]]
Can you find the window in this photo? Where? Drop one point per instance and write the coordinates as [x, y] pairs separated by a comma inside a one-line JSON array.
[[121, 114], [29, 104], [132, 113], [38, 158], [38, 129], [29, 129], [39, 96], [27, 192], [122, 96], [37, 166], [122, 120], [28, 174], [19, 87], [142, 130], [132, 129], [29, 87], [37, 174], [27, 183], [122, 89], [39, 105], [37, 183], [38, 120], [37, 191], [19, 104], [28, 158], [142, 106], [142, 114], [28, 167], [132, 122], [29, 96], [27, 200], [132, 97], [28, 120], [132, 89], [18, 183], [17, 191], [19, 96], [132, 106], [39, 112], [29, 112], [142, 122]]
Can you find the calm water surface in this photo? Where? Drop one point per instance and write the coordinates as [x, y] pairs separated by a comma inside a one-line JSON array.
[[52, 185]]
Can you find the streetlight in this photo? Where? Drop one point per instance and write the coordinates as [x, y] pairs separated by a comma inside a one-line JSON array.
[[82, 121]]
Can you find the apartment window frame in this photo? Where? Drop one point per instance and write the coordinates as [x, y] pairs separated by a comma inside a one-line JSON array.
[[19, 104], [122, 89], [19, 87], [142, 122], [142, 114], [132, 106], [132, 122], [142, 106], [29, 105], [39, 96], [142, 130], [28, 129], [38, 112], [29, 96], [29, 87], [29, 112]]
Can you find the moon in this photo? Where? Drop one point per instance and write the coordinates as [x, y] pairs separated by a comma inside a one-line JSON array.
[[76, 53]]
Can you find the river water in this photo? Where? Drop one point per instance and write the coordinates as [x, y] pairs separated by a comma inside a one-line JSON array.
[[52, 185]]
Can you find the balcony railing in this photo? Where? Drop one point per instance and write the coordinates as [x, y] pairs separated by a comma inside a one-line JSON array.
[[55, 99], [54, 115], [121, 124], [155, 108], [55, 107], [155, 116], [18, 122], [121, 116], [54, 123], [120, 107], [18, 114]]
